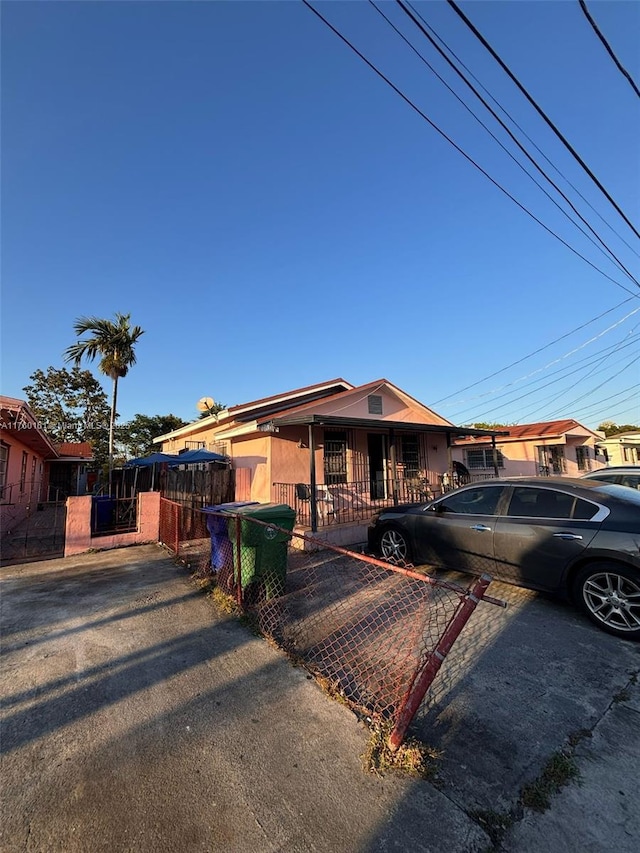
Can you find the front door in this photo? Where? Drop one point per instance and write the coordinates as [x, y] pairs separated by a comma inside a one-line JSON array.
[[377, 451]]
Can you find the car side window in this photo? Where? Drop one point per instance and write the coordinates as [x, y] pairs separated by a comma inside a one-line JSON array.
[[583, 510], [479, 501], [541, 503]]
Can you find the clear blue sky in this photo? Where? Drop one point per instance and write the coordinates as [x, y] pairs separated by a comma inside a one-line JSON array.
[[273, 215]]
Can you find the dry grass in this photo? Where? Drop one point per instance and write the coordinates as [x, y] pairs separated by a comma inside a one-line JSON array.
[[412, 757]]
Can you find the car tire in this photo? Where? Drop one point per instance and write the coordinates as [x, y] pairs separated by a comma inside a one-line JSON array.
[[394, 546], [609, 594]]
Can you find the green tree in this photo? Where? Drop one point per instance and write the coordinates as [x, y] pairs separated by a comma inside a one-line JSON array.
[[136, 436], [483, 425], [71, 406], [612, 428], [114, 344]]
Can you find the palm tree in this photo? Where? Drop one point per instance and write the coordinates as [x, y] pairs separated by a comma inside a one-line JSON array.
[[114, 343]]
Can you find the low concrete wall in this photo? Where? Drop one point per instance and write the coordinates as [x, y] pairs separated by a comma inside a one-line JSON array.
[[78, 538], [343, 535]]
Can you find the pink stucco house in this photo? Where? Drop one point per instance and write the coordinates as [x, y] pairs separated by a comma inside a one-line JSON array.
[[334, 451], [33, 470], [24, 450], [550, 448]]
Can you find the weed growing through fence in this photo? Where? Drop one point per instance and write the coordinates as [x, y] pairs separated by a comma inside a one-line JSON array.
[[559, 770], [411, 757]]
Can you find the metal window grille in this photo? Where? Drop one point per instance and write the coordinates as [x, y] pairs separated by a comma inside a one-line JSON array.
[[23, 470], [583, 459], [195, 445], [4, 457], [335, 457], [483, 458], [410, 455]]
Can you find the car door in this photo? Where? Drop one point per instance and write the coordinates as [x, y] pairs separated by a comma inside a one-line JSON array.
[[457, 531], [540, 533]]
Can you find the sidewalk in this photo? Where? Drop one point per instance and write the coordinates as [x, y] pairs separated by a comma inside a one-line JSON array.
[[138, 718]]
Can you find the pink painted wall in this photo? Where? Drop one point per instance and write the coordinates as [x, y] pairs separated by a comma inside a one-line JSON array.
[[521, 457], [16, 504], [78, 538], [355, 404], [253, 454]]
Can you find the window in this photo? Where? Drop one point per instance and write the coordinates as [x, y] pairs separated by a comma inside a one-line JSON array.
[[374, 402], [483, 458], [410, 456], [479, 501], [23, 470], [545, 503], [33, 473], [195, 445], [583, 459], [335, 457], [630, 454], [4, 459]]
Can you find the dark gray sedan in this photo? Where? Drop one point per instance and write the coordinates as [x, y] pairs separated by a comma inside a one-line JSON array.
[[579, 539]]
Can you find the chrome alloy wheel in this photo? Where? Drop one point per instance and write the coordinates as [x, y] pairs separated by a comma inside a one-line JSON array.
[[613, 600], [394, 546]]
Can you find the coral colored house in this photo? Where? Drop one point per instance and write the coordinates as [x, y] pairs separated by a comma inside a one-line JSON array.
[[334, 451], [24, 450], [562, 448]]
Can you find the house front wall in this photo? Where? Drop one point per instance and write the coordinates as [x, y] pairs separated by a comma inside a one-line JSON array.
[[253, 456], [24, 483], [566, 455], [392, 408], [622, 449]]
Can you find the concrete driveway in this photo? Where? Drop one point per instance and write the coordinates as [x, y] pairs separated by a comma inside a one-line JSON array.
[[137, 717]]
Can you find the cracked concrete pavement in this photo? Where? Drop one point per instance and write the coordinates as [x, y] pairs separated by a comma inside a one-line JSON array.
[[137, 717]]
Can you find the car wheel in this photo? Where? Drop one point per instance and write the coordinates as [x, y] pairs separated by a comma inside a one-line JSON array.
[[610, 596], [394, 546]]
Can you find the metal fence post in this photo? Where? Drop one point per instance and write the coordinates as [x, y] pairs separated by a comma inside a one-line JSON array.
[[416, 692], [176, 518], [239, 561]]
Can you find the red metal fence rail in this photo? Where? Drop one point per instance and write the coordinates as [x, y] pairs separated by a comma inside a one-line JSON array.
[[374, 633]]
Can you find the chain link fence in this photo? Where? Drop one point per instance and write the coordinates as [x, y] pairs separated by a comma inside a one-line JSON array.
[[373, 633]]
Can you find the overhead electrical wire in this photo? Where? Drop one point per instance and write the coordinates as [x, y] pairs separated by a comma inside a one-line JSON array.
[[535, 352], [541, 113], [631, 388], [467, 157], [483, 101], [596, 369], [597, 358], [592, 361], [608, 48], [513, 121]]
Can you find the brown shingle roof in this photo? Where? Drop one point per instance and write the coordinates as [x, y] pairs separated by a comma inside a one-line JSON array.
[[77, 449]]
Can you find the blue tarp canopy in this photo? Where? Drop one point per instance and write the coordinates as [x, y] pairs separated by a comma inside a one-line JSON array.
[[146, 461], [191, 457]]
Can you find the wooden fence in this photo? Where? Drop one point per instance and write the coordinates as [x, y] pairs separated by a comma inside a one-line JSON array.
[[190, 487]]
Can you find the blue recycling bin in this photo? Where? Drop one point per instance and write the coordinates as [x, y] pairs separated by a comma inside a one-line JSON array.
[[103, 506], [221, 548]]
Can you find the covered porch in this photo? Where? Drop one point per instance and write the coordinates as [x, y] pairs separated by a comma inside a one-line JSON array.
[[357, 466]]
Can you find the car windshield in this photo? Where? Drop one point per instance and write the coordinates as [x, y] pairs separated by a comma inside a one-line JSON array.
[[616, 491]]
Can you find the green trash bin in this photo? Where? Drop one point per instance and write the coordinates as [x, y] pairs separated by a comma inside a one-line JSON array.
[[263, 550]]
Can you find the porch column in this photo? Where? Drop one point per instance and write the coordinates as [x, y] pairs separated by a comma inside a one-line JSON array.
[[312, 480], [494, 451], [394, 470]]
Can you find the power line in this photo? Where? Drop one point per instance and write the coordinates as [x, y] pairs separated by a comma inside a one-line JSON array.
[[487, 106], [467, 157], [595, 359], [521, 129], [608, 47], [531, 354], [540, 112]]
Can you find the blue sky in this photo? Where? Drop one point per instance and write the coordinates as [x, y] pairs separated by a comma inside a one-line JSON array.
[[273, 215]]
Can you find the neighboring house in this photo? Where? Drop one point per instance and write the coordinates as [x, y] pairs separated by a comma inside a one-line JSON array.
[[335, 452], [68, 473], [551, 448], [24, 451], [622, 449]]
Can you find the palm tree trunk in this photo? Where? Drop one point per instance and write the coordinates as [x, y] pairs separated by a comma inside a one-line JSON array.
[[112, 421]]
